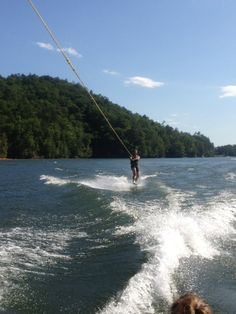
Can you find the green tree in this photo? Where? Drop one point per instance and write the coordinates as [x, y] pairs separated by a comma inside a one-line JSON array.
[[3, 146], [48, 117]]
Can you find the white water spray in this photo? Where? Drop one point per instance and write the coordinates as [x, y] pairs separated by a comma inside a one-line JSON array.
[[168, 237]]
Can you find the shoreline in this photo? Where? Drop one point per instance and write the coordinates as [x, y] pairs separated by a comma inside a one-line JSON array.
[[1, 158]]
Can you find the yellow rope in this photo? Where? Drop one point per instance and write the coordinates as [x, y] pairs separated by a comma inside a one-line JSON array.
[[76, 73]]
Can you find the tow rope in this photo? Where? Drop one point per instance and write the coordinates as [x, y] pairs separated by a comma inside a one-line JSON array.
[[62, 51]]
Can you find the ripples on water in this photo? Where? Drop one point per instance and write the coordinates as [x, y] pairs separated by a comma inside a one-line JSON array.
[[76, 236]]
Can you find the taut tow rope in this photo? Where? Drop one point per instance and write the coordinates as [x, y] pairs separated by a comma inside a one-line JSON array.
[[76, 72]]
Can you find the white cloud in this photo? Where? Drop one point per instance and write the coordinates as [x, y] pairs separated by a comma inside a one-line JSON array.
[[69, 50], [228, 91], [45, 45], [143, 81], [110, 72], [72, 52]]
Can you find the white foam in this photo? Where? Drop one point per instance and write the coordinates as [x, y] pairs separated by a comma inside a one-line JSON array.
[[144, 177], [191, 169], [56, 181], [231, 176], [100, 182], [168, 236], [111, 183], [59, 169], [25, 250]]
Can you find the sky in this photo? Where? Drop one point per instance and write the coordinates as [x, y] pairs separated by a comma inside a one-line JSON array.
[[173, 61]]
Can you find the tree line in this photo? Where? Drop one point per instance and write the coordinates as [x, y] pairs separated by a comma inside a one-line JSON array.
[[226, 150], [45, 117]]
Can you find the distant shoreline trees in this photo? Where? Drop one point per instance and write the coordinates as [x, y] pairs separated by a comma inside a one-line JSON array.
[[45, 117], [226, 150]]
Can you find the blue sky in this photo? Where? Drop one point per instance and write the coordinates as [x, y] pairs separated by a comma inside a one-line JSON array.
[[173, 61]]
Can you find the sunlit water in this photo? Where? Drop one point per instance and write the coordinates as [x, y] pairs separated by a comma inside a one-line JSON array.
[[76, 236]]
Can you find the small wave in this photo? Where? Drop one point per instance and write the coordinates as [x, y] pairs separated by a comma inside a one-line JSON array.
[[201, 186], [28, 250], [231, 176], [100, 182], [191, 169], [145, 177], [56, 181], [111, 183]]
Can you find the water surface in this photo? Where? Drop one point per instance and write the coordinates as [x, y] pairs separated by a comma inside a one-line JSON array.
[[76, 236]]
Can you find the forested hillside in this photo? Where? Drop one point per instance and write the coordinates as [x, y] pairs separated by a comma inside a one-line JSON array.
[[45, 117]]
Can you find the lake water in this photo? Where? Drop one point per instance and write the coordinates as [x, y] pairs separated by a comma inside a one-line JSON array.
[[76, 236]]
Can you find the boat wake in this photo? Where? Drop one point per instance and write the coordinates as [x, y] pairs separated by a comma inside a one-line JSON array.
[[27, 251], [111, 183], [100, 182], [170, 237]]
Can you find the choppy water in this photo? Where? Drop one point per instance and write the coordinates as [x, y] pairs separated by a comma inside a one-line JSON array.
[[76, 236]]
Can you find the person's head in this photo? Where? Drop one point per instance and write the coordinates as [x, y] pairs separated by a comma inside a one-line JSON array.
[[135, 152], [190, 304]]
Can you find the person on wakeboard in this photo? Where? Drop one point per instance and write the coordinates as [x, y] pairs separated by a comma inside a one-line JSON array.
[[134, 159]]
